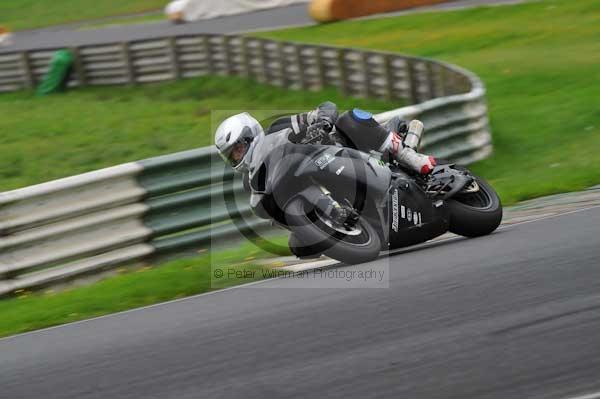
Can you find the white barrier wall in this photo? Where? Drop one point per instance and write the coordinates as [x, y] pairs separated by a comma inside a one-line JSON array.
[[193, 10]]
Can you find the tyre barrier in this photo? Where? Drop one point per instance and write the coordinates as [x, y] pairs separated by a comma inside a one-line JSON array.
[[337, 10]]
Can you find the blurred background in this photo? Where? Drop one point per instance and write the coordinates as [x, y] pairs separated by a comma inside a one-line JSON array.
[[87, 85], [112, 198]]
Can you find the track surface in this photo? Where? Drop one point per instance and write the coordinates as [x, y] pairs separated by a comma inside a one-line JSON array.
[[63, 36], [512, 315]]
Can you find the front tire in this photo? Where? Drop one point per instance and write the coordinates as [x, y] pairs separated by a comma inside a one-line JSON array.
[[302, 251], [475, 214], [310, 229]]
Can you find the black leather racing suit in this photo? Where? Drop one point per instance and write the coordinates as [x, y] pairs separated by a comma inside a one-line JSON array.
[[315, 127]]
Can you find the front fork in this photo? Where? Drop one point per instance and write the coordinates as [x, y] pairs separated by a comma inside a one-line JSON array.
[[327, 205]]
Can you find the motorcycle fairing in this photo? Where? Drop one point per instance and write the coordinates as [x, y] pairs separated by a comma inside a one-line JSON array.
[[413, 217], [354, 176], [285, 170]]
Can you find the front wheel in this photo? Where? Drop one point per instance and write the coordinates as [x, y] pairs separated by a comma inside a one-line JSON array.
[[476, 211], [302, 251], [356, 245]]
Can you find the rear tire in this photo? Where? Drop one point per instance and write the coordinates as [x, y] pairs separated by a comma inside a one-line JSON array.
[[475, 214], [310, 230]]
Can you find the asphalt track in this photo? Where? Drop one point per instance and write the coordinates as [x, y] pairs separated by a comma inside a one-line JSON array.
[[295, 15], [512, 315]]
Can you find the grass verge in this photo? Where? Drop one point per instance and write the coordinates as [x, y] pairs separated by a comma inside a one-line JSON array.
[[29, 14], [540, 62], [45, 138], [132, 289]]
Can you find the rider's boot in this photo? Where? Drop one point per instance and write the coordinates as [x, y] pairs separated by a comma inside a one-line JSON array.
[[404, 150]]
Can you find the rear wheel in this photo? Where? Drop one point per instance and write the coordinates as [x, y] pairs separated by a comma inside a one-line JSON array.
[[358, 244], [476, 211]]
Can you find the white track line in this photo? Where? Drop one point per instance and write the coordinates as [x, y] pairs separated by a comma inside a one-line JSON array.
[[548, 217], [427, 244], [588, 396], [156, 305]]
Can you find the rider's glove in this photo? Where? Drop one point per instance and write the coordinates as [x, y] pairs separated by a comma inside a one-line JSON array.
[[397, 125], [318, 133], [326, 111]]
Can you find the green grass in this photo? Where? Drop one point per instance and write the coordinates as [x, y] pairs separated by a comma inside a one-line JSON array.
[[131, 289], [541, 65], [44, 138], [28, 14]]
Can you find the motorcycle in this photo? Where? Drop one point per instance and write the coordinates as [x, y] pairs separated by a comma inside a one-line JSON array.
[[394, 208]]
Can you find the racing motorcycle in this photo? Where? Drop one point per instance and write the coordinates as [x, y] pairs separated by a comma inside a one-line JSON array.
[[393, 207]]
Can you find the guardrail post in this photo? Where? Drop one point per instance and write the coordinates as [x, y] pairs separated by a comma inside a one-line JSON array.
[[366, 88], [173, 54], [442, 72], [229, 68], [298, 65], [28, 77], [450, 82], [126, 55], [412, 81], [266, 73], [209, 61], [342, 71], [262, 77], [282, 65], [320, 67], [78, 66], [430, 79], [388, 77], [247, 67]]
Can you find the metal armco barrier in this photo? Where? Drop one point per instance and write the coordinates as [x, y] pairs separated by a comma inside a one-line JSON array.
[[60, 230], [286, 64]]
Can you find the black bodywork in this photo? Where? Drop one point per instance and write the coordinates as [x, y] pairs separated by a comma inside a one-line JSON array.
[[391, 200]]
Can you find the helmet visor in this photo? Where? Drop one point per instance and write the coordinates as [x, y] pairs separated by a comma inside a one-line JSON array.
[[237, 153]]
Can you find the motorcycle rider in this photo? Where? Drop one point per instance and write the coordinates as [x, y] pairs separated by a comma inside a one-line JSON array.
[[237, 137]]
